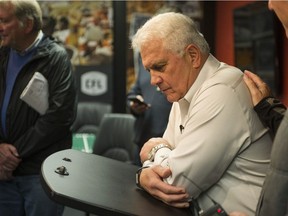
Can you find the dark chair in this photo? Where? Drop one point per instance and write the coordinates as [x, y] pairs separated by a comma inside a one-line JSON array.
[[115, 137], [89, 116]]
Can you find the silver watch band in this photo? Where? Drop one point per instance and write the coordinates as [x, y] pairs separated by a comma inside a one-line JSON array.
[[151, 154]]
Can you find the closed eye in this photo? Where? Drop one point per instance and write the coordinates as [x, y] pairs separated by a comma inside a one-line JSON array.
[[159, 67]]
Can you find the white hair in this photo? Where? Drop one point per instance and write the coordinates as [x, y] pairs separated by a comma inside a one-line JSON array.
[[175, 30], [26, 9]]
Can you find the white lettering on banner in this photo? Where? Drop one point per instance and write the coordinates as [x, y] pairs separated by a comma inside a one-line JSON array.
[[94, 83]]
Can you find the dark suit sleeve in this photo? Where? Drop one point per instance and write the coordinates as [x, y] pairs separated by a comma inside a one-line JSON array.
[[271, 111]]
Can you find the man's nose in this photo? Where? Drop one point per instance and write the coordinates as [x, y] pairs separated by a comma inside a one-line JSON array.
[[155, 79]]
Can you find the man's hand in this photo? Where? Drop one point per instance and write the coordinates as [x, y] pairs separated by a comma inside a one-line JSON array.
[[9, 160], [4, 174], [138, 106], [257, 87], [149, 145], [151, 181]]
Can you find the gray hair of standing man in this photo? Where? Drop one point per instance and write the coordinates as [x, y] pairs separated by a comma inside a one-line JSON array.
[[26, 10], [175, 30]]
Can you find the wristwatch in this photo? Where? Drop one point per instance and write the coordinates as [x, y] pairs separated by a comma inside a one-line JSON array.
[[138, 172], [153, 151]]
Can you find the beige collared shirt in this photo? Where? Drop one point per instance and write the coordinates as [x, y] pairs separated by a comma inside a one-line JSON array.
[[223, 149]]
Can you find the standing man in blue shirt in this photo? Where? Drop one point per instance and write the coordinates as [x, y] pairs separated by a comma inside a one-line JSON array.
[[28, 134]]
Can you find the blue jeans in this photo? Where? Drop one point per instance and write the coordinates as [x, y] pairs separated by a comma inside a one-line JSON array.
[[24, 196]]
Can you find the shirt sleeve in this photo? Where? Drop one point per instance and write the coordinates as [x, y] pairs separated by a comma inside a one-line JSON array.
[[214, 132]]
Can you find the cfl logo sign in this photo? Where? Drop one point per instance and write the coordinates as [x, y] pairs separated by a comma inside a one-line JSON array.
[[94, 83]]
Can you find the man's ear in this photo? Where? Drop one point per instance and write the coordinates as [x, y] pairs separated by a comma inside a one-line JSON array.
[[194, 54]]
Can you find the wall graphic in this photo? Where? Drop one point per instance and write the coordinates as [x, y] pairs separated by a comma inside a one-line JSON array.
[[85, 28]]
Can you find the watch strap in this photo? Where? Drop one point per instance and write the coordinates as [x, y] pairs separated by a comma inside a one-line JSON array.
[[151, 154], [138, 173]]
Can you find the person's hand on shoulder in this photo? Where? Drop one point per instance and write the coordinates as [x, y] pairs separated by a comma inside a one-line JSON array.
[[257, 87], [151, 181]]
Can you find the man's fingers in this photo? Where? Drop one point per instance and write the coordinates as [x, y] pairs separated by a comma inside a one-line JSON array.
[[251, 85], [183, 204], [253, 88], [256, 79], [162, 171], [7, 168], [257, 87], [8, 149], [172, 198], [9, 157], [152, 180], [179, 205], [14, 151], [252, 80]]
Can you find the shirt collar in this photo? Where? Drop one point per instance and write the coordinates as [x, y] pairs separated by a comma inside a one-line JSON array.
[[208, 69], [33, 45]]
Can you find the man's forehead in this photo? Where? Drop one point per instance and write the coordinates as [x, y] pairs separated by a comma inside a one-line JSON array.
[[5, 11]]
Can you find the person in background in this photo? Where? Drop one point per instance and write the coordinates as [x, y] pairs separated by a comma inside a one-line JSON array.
[[215, 148], [62, 31], [49, 24], [152, 117], [31, 128], [274, 197]]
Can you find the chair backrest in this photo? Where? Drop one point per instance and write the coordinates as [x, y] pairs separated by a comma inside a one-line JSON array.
[[89, 116], [115, 137]]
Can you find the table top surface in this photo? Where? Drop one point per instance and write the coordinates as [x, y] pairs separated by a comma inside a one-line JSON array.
[[99, 185]]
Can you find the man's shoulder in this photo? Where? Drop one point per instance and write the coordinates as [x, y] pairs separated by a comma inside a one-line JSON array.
[[51, 43], [226, 75], [52, 47]]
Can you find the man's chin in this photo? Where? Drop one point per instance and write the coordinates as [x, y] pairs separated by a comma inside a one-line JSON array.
[[171, 99]]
